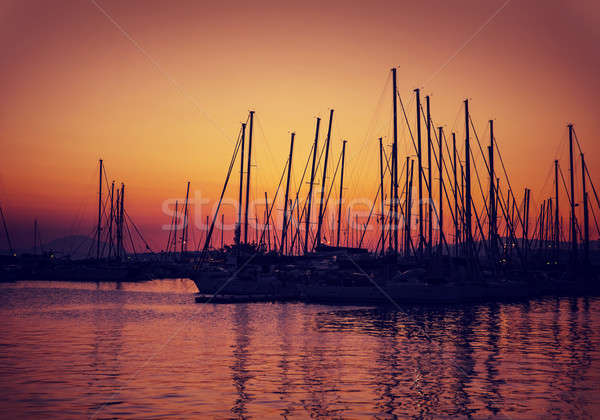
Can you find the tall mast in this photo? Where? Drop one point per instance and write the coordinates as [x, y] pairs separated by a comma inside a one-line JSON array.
[[573, 225], [550, 223], [267, 222], [463, 223], [382, 193], [341, 193], [287, 190], [310, 187], [512, 220], [556, 216], [497, 205], [99, 227], [238, 228], [542, 223], [390, 164], [320, 222], [211, 238], [407, 210], [441, 215], [248, 176], [110, 219], [527, 221], [469, 236], [548, 215], [118, 223], [525, 244], [121, 221], [184, 235], [420, 170], [395, 160], [586, 221], [492, 205], [456, 233], [298, 224], [429, 181]]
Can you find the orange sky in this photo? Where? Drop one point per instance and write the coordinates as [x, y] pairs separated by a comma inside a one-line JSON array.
[[75, 88]]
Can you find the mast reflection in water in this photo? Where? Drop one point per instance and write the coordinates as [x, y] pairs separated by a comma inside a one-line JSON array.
[[82, 349]]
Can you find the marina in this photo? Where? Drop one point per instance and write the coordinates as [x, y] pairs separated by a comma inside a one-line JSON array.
[[490, 247], [280, 210]]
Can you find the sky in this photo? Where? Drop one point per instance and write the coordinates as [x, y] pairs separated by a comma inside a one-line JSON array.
[[158, 90]]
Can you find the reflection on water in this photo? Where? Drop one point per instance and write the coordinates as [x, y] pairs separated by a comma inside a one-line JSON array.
[[146, 349], [240, 374]]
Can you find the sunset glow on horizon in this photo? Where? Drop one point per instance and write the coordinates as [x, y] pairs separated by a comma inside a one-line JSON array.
[[158, 91]]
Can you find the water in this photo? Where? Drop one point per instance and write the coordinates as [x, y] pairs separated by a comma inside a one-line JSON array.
[[73, 350]]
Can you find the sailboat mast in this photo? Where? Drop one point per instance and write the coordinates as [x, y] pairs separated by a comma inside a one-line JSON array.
[[99, 227], [248, 176], [469, 237], [556, 216], [238, 228], [210, 240], [118, 222], [339, 221], [185, 222], [121, 221], [525, 243], [441, 210], [287, 191], [409, 209], [110, 219], [390, 164], [320, 222], [573, 222], [420, 170], [429, 180], [310, 187], [267, 222], [492, 205], [395, 160], [463, 230], [298, 224], [456, 233], [382, 193], [406, 209]]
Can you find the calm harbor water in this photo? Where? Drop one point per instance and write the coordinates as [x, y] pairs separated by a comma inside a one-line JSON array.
[[105, 350]]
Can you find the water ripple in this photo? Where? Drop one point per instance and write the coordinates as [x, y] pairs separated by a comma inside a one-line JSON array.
[[77, 350]]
